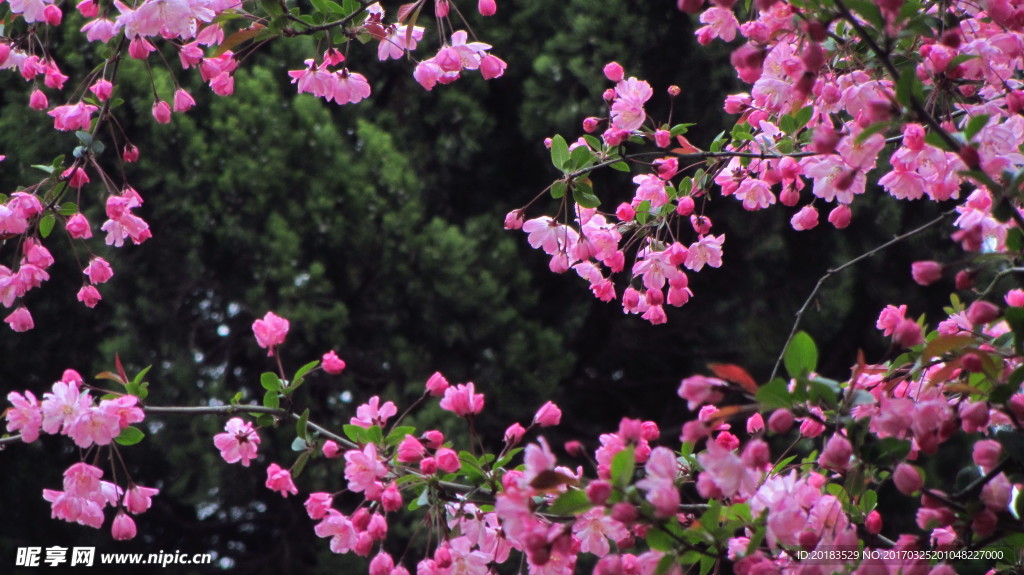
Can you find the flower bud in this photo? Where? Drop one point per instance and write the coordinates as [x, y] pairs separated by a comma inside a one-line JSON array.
[[982, 312], [780, 421], [614, 72], [907, 478], [599, 491], [873, 522], [624, 513]]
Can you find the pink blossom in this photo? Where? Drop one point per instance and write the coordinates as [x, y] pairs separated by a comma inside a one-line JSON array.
[[492, 67], [594, 529], [837, 453], [437, 384], [89, 295], [102, 88], [24, 415], [890, 317], [514, 434], [123, 527], [548, 415], [318, 505], [463, 400], [183, 101], [78, 227], [982, 312], [37, 100], [706, 250], [270, 331], [410, 450], [805, 219], [98, 424], [614, 72], [332, 364], [372, 413], [698, 390], [71, 118], [926, 272], [330, 449], [362, 468], [985, 454], [239, 442], [908, 333], [907, 478], [162, 112], [138, 499], [98, 271], [447, 460], [20, 320], [662, 469], [280, 480]]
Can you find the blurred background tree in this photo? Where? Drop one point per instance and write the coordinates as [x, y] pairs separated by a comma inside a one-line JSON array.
[[376, 229]]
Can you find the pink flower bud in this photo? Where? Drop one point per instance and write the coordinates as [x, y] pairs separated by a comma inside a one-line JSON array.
[[89, 295], [441, 8], [123, 527], [625, 212], [513, 221], [590, 124], [907, 479], [986, 453], [269, 331], [614, 72], [1015, 298], [907, 333], [755, 423], [447, 460], [926, 272], [330, 449], [410, 450], [391, 499], [825, 140], [514, 434], [437, 384], [662, 138], [873, 522], [964, 279], [332, 364], [102, 89], [492, 67], [37, 100], [973, 416], [757, 454], [574, 448], [78, 227], [130, 154], [318, 504], [183, 101], [840, 216], [805, 219], [162, 112], [624, 513], [599, 491], [780, 421], [982, 312], [837, 453], [685, 206], [433, 438], [280, 480], [88, 8], [486, 7], [52, 15], [690, 6], [548, 415], [674, 90]]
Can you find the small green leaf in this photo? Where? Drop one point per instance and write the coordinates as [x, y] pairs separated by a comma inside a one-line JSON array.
[[665, 564], [271, 382], [84, 137], [572, 502], [622, 467], [70, 209], [272, 400], [580, 157], [660, 540], [624, 167], [265, 420], [801, 357], [583, 195], [300, 464], [300, 425], [974, 125], [355, 433], [375, 435], [130, 436], [868, 501], [559, 152], [46, 225], [300, 376], [558, 189], [47, 169], [398, 434], [774, 394], [679, 129]]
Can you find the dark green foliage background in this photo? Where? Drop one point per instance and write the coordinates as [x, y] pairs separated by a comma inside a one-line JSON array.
[[376, 229]]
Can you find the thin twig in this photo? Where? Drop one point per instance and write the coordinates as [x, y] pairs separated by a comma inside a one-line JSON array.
[[833, 271]]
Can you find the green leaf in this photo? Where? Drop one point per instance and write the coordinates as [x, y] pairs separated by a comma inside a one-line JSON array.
[[130, 436], [47, 169], [84, 137], [974, 125], [680, 129], [46, 225], [934, 139], [272, 400], [580, 157], [355, 433], [868, 501], [559, 152], [300, 425], [299, 444], [622, 467], [271, 7], [774, 394], [558, 189], [572, 502], [300, 375], [270, 382], [70, 209], [624, 167], [1015, 240], [909, 88], [398, 434], [375, 435], [265, 420], [660, 540], [583, 195], [1015, 317], [665, 564], [300, 464], [804, 115], [801, 355], [508, 457]]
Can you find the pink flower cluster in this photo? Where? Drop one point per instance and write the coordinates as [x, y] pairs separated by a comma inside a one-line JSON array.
[[86, 494], [71, 411], [340, 86], [446, 66]]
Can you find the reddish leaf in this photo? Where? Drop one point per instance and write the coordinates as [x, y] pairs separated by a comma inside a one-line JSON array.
[[734, 374], [406, 9], [120, 369], [376, 30], [110, 376], [237, 38], [685, 147], [728, 412]]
